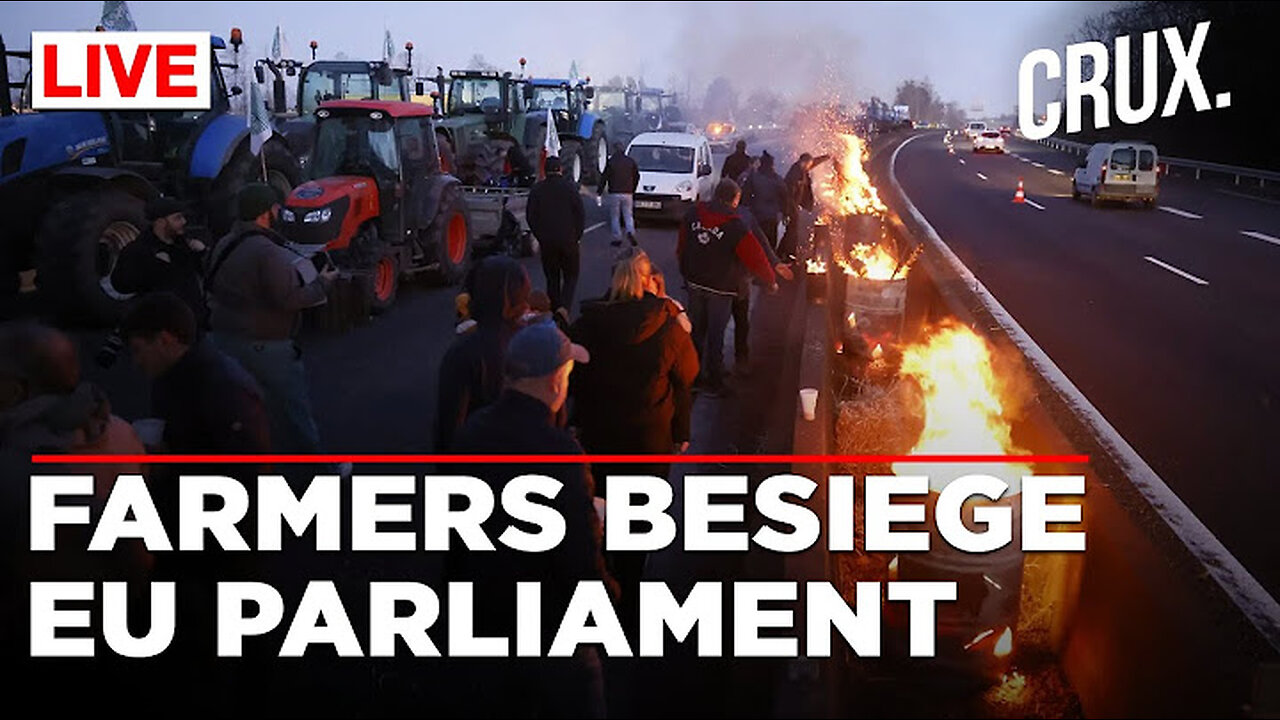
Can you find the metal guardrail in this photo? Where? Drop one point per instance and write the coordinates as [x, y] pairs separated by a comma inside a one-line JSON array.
[[1199, 166]]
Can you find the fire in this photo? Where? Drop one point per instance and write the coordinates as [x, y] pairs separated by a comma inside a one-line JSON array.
[[872, 262], [1004, 645], [877, 353], [963, 413], [847, 190], [852, 320], [815, 266]]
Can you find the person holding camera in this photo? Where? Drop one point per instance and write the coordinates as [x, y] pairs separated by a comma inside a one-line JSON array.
[[257, 293], [163, 259]]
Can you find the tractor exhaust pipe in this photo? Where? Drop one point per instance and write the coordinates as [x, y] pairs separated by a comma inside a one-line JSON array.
[[6, 102]]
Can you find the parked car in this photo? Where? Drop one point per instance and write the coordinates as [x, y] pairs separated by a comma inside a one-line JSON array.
[[1124, 171], [675, 172], [989, 141]]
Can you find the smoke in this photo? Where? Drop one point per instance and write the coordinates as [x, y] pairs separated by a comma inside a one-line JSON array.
[[772, 50]]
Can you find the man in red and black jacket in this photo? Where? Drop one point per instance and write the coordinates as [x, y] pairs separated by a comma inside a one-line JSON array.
[[715, 248]]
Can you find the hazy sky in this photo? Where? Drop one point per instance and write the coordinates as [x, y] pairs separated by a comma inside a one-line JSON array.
[[970, 50]]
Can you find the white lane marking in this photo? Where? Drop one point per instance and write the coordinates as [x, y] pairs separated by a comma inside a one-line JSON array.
[[1176, 271], [1262, 610], [1024, 159], [1180, 213], [1033, 203], [981, 176], [1036, 164], [961, 160], [597, 226], [1056, 172], [1260, 236]]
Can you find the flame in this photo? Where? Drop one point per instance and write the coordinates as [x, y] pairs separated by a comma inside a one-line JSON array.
[[852, 320], [1004, 645], [963, 413], [872, 262], [815, 266], [847, 189], [877, 353]]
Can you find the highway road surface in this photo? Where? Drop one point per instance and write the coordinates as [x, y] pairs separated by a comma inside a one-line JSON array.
[[1166, 318]]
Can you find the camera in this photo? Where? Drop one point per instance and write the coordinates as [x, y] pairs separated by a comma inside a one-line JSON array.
[[109, 352]]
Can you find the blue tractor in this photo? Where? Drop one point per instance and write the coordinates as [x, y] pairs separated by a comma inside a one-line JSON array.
[[584, 140], [75, 186]]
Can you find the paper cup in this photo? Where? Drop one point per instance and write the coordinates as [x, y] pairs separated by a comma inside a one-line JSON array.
[[809, 402], [150, 431]]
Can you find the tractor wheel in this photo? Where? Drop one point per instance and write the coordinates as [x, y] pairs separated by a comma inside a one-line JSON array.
[[283, 173], [449, 236], [448, 162], [571, 161], [382, 264], [76, 251], [597, 154]]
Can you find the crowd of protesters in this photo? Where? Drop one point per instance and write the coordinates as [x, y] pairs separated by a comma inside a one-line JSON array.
[[527, 372]]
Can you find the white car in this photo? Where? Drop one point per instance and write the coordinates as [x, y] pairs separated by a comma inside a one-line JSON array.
[[974, 129], [675, 172], [989, 141], [1122, 171]]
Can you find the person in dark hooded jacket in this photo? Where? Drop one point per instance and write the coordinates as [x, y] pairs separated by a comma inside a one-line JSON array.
[[765, 194], [736, 164], [471, 371], [635, 396]]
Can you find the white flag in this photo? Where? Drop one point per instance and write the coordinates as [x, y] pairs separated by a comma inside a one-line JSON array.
[[551, 146], [553, 137], [259, 119], [116, 16]]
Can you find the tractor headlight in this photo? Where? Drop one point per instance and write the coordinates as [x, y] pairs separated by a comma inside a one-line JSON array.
[[286, 215], [318, 216]]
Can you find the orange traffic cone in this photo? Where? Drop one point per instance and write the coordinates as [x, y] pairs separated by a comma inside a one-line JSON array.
[[1019, 196]]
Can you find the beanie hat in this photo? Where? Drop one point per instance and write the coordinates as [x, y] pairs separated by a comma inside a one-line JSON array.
[[255, 199]]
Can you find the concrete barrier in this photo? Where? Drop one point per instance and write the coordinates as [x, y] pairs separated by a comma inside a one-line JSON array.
[[1153, 619]]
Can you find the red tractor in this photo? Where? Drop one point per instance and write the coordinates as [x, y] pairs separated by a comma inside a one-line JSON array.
[[378, 201]]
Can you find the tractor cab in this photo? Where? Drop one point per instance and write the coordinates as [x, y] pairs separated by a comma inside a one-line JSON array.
[[376, 198], [498, 98], [566, 100]]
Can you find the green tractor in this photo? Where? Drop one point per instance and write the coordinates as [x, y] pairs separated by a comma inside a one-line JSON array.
[[486, 135], [323, 80]]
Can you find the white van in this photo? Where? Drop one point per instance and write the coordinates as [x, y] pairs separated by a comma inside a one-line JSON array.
[[974, 129], [1118, 171], [675, 172]]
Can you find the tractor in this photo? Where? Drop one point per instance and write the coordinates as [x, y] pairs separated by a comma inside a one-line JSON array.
[[75, 184], [322, 80], [378, 202], [584, 143], [629, 111], [487, 136]]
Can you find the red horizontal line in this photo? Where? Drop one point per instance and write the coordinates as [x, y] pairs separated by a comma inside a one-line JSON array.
[[542, 459]]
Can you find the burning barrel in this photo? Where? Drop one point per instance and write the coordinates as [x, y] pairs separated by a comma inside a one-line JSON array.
[[962, 399], [974, 633]]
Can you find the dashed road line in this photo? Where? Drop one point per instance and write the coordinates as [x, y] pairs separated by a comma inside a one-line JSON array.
[[1260, 236], [981, 176], [1180, 213], [1033, 204], [1181, 273], [961, 160], [1036, 164], [1024, 159], [1214, 559], [1056, 171], [597, 226]]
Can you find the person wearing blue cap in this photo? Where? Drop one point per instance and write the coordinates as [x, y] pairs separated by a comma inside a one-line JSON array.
[[539, 361]]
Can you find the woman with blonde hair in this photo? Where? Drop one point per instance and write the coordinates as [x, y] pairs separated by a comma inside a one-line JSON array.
[[635, 395]]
